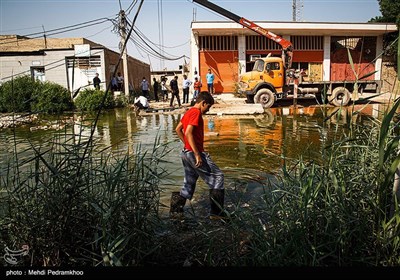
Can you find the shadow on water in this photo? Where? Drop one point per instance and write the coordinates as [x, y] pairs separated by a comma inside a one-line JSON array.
[[249, 149]]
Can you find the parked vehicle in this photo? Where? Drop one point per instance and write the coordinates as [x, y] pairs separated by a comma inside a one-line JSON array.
[[269, 82], [272, 78]]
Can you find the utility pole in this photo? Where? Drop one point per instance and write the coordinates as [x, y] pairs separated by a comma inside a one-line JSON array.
[[122, 26], [297, 6]]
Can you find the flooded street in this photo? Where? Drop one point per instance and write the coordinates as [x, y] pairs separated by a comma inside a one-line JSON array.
[[245, 147]]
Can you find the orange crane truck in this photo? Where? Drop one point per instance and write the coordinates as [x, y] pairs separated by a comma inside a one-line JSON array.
[[273, 79]]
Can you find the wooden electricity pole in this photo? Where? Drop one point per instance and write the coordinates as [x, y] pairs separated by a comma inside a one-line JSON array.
[[122, 21]]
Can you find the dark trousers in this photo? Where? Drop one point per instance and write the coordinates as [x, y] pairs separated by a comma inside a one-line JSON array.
[[164, 95], [145, 93], [175, 94], [185, 95], [156, 95], [210, 88]]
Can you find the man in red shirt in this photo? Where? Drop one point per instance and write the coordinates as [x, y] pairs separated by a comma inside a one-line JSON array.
[[196, 162]]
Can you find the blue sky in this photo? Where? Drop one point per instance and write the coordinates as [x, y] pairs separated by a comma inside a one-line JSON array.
[[25, 17]]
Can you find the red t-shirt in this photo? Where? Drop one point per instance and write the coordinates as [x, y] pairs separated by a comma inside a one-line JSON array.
[[193, 117]]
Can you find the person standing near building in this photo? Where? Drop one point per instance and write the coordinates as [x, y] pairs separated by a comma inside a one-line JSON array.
[[196, 88], [210, 82], [114, 83], [156, 85], [186, 83], [196, 75], [196, 162], [96, 82], [120, 81], [164, 89], [175, 91], [145, 87]]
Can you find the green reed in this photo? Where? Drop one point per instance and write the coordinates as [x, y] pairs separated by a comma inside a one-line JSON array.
[[74, 205], [341, 212]]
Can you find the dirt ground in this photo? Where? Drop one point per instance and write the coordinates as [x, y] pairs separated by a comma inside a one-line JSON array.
[[229, 104]]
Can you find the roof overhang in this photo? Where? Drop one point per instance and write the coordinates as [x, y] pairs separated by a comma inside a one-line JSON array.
[[294, 28], [23, 53]]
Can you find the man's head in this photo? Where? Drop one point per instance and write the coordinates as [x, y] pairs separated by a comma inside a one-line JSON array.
[[204, 101]]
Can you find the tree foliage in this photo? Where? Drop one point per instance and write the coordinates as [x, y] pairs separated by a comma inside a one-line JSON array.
[[91, 100], [24, 94], [390, 12]]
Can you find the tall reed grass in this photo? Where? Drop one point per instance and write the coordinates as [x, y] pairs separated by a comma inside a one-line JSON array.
[[341, 212], [81, 207], [75, 205]]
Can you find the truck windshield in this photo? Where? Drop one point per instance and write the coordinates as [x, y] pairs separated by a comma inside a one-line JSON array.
[[258, 65]]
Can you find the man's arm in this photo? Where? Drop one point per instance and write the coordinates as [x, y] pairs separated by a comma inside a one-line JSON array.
[[192, 143], [179, 131]]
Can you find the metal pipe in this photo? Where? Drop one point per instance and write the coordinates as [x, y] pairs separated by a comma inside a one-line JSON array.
[[308, 90]]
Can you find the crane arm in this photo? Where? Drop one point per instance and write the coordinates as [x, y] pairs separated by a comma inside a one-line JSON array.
[[286, 45]]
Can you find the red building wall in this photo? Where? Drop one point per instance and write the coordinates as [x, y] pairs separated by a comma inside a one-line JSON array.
[[224, 65]]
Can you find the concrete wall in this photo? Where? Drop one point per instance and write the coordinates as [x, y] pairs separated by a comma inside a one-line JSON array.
[[389, 76], [18, 55]]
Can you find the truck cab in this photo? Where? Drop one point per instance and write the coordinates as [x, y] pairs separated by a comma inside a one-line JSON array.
[[265, 81]]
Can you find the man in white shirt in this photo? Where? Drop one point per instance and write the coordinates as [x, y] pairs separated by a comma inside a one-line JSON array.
[[185, 87], [141, 103]]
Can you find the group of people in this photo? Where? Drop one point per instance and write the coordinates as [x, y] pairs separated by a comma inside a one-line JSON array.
[[117, 82], [173, 87]]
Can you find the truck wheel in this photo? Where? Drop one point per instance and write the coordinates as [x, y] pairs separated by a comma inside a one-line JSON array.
[[340, 97], [265, 120], [265, 97]]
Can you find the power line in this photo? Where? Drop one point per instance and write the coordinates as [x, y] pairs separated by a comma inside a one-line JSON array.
[[149, 49], [57, 31]]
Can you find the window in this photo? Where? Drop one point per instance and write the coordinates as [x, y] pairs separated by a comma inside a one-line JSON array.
[[218, 43], [37, 73], [84, 62], [307, 43], [259, 65], [300, 65], [260, 43], [273, 66]]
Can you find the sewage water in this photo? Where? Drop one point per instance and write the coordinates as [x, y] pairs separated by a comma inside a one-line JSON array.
[[247, 148]]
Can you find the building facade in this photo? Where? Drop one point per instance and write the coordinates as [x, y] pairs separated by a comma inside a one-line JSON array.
[[70, 62], [320, 49]]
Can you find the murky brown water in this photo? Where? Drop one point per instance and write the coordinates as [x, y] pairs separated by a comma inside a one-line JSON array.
[[245, 147]]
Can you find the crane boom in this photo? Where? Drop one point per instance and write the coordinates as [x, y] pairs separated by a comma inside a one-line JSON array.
[[287, 47]]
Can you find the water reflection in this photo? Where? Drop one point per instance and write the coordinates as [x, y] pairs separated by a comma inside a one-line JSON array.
[[243, 146]]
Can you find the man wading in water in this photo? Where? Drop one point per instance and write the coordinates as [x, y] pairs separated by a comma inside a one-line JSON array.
[[196, 162]]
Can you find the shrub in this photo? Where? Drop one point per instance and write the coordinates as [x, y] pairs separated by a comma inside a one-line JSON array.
[[52, 98], [90, 100], [15, 95], [121, 101]]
